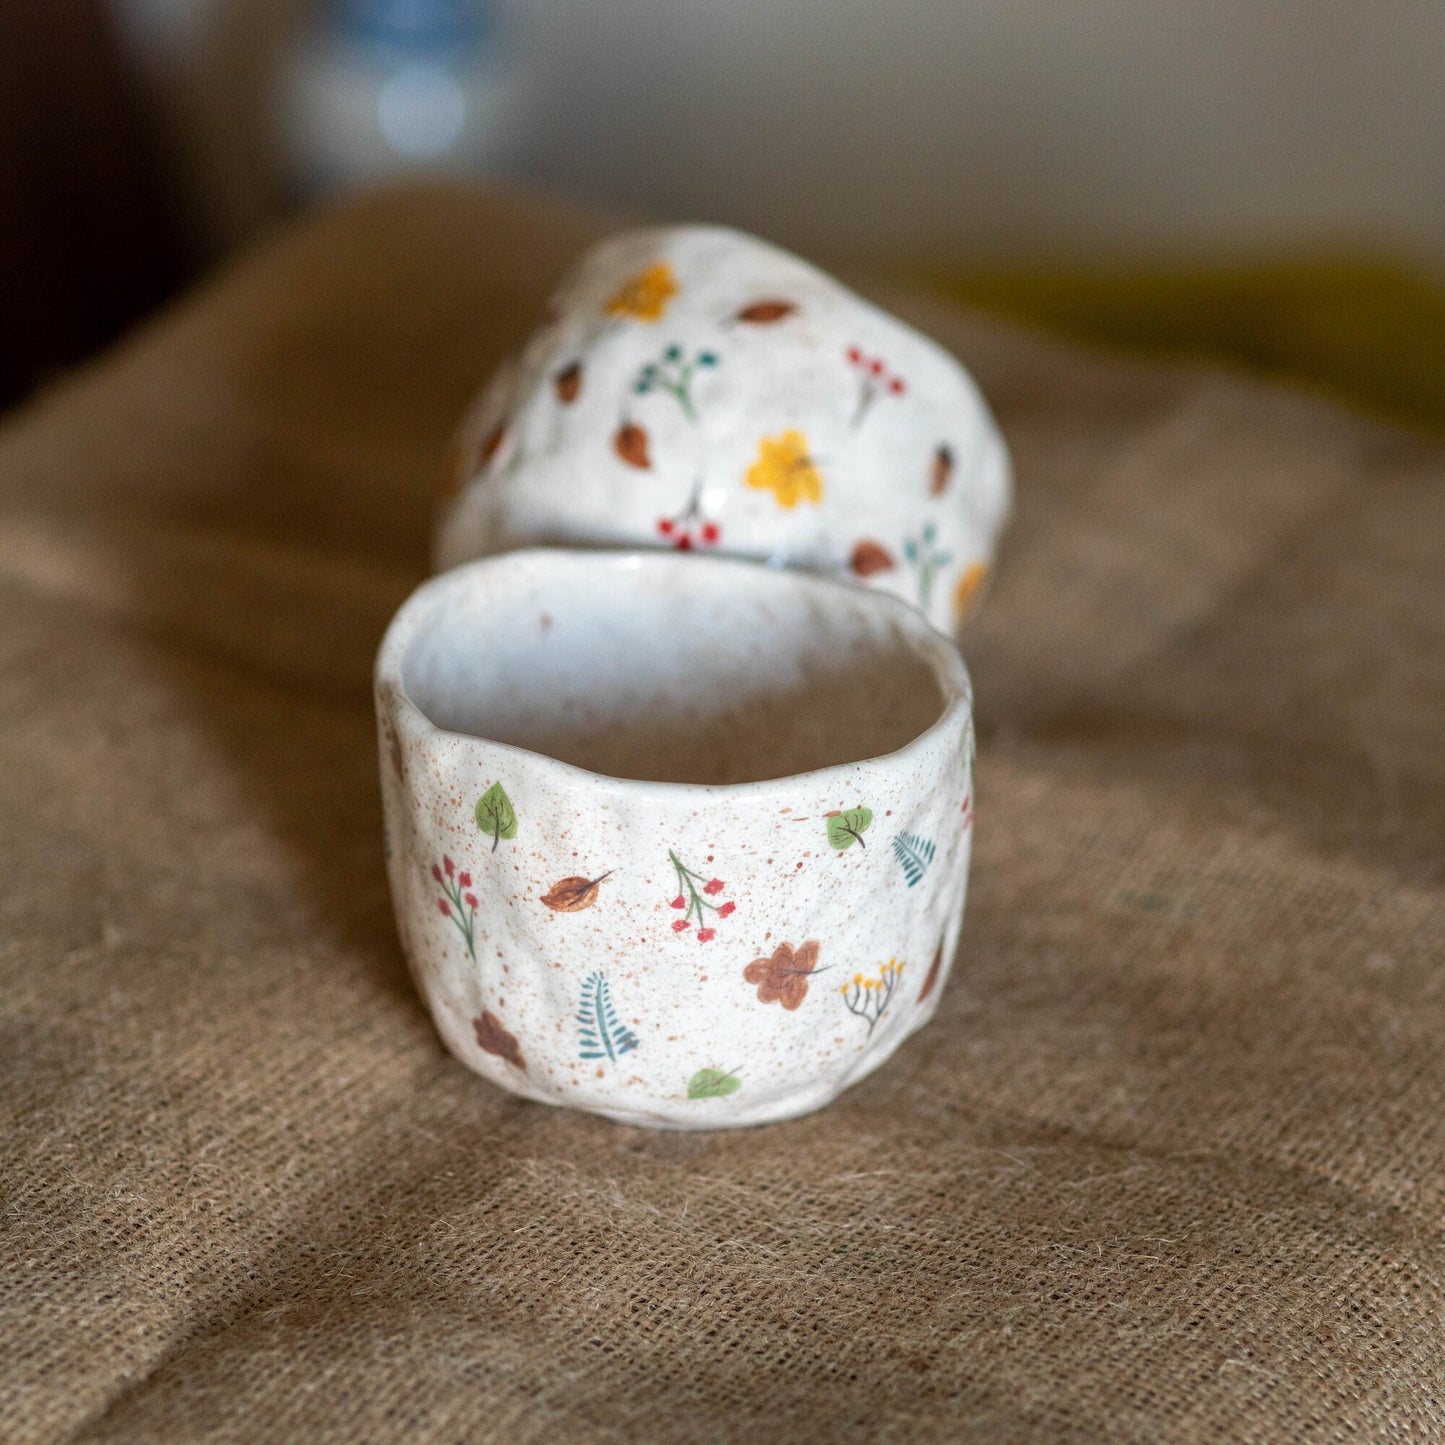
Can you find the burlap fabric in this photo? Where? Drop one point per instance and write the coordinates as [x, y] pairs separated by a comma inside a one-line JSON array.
[[1168, 1166]]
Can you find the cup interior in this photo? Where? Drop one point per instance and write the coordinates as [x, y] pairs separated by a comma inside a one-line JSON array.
[[669, 669]]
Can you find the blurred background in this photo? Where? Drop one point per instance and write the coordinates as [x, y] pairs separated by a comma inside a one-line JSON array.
[[1258, 180]]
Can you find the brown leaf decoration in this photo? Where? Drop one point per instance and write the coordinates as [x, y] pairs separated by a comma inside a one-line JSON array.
[[869, 557], [941, 472], [568, 383], [934, 969], [493, 443], [394, 752], [493, 1038], [572, 895], [766, 312], [630, 444], [783, 978]]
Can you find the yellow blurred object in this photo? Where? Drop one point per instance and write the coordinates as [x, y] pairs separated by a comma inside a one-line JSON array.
[[1371, 332]]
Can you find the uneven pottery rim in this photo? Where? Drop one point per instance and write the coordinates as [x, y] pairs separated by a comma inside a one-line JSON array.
[[950, 674]]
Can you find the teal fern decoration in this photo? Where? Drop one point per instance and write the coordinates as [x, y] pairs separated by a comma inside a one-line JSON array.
[[602, 1034], [915, 853]]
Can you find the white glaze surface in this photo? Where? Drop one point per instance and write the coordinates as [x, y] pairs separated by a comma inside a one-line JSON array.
[[695, 386], [715, 675]]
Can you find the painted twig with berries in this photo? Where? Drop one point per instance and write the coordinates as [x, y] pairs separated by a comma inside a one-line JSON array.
[[673, 375], [460, 903], [874, 380], [869, 998], [694, 896], [690, 528]]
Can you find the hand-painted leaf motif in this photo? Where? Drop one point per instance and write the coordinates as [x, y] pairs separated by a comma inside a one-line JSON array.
[[870, 558], [572, 895], [630, 444], [495, 815], [567, 383], [493, 1038], [601, 1035], [941, 472], [847, 828], [766, 312], [713, 1084], [915, 853], [966, 590], [934, 969]]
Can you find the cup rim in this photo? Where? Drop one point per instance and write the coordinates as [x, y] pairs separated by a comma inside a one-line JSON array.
[[945, 662]]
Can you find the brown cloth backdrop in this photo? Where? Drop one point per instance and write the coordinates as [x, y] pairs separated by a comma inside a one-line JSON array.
[[1168, 1166]]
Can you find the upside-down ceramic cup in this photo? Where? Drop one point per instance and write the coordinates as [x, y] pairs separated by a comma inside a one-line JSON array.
[[679, 841], [699, 389]]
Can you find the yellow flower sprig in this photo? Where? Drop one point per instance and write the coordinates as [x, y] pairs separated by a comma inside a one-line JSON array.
[[867, 997]]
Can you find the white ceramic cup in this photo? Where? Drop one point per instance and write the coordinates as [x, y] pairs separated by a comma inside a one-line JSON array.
[[695, 388], [681, 841]]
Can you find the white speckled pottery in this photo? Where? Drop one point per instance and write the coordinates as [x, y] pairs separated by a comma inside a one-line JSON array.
[[680, 841], [698, 389]]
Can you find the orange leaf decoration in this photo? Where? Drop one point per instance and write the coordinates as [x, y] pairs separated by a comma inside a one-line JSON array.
[[630, 444], [572, 895], [493, 443], [493, 1038], [934, 969], [966, 589], [568, 383], [764, 313], [783, 978], [941, 472], [869, 557]]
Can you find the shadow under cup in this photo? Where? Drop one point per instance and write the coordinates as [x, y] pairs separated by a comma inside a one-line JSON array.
[[637, 762]]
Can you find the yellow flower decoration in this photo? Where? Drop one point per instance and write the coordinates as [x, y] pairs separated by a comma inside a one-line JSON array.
[[785, 469], [644, 297], [966, 589]]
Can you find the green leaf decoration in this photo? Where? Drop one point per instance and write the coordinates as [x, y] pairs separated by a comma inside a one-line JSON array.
[[496, 816], [601, 1034], [713, 1084], [847, 828], [915, 853]]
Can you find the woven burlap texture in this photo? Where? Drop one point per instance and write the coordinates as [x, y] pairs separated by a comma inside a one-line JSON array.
[[1169, 1164]]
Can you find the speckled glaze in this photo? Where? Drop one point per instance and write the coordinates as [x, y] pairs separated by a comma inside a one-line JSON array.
[[679, 841], [698, 389]]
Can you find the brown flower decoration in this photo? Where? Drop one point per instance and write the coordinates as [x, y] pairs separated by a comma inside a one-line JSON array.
[[783, 978]]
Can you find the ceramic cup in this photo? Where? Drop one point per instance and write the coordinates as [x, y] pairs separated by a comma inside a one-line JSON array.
[[695, 388], [679, 841]]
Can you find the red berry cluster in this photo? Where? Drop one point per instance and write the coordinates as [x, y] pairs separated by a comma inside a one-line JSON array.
[[460, 903], [874, 379], [876, 371], [679, 531], [691, 899]]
